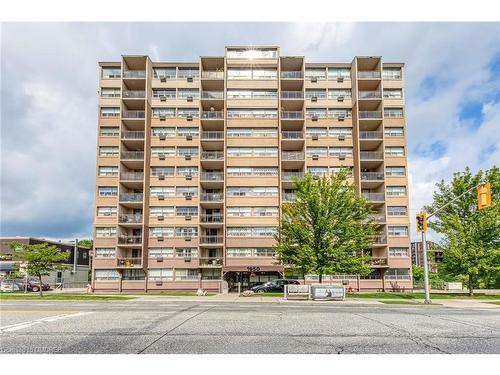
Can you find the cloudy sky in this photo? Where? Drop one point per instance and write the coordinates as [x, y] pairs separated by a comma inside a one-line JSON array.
[[49, 96]]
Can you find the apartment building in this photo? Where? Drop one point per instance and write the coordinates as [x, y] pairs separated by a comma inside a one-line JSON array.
[[195, 159]]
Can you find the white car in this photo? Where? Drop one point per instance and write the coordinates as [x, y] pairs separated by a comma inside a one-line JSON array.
[[9, 286]]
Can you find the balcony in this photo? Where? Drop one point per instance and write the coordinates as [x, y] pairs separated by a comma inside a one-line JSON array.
[[212, 115], [130, 219], [212, 155], [134, 135], [133, 114], [372, 176], [292, 135], [292, 155], [133, 94], [212, 176], [292, 115], [214, 95], [289, 176], [374, 197], [371, 155], [211, 240], [128, 262], [137, 74], [212, 219], [379, 262], [371, 135], [129, 240], [133, 155], [212, 75], [131, 197], [379, 240], [211, 262], [292, 95], [212, 135], [212, 197], [369, 74], [378, 217], [370, 115], [289, 197], [292, 75], [369, 94], [132, 176]]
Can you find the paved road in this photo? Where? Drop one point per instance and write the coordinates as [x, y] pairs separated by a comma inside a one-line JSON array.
[[143, 326]]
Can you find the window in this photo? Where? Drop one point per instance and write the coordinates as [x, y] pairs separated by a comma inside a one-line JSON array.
[[186, 252], [317, 132], [395, 171], [252, 113], [108, 131], [167, 132], [167, 191], [160, 274], [394, 132], [186, 274], [110, 111], [161, 232], [188, 73], [394, 151], [164, 93], [391, 73], [182, 191], [164, 72], [105, 232], [161, 211], [252, 53], [111, 72], [398, 231], [107, 191], [105, 252], [320, 151], [318, 171], [107, 275], [398, 274], [252, 94], [183, 151], [187, 171], [250, 252], [398, 252], [210, 274], [316, 112], [163, 112], [335, 132], [393, 93], [186, 211], [264, 74], [187, 112], [252, 211], [108, 171], [320, 94], [162, 171], [239, 73], [339, 72], [108, 151], [182, 132], [110, 92], [251, 231], [396, 191], [133, 274], [252, 132], [396, 210], [252, 151], [252, 191], [318, 73], [393, 112], [106, 211], [186, 93], [336, 151], [341, 112], [255, 171], [334, 170], [335, 93], [186, 231], [161, 252]]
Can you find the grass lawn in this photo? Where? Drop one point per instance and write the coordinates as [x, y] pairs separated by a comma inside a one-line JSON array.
[[411, 296], [495, 302], [61, 297], [399, 302], [178, 294]]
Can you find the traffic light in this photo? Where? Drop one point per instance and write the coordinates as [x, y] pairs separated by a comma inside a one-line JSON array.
[[484, 196], [421, 222]]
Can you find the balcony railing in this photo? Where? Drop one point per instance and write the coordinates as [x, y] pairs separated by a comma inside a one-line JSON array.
[[212, 135], [289, 176], [211, 262], [130, 218], [374, 197], [212, 75], [292, 135], [370, 114], [213, 115], [211, 239], [379, 218], [212, 197], [372, 176], [292, 95], [133, 155], [379, 261], [370, 94], [289, 197], [292, 75], [131, 197], [132, 135], [212, 155], [371, 155], [128, 262], [211, 218], [368, 74], [134, 94], [212, 95], [129, 240], [371, 135], [212, 176], [382, 239], [132, 176], [134, 74], [292, 115], [292, 155], [133, 114]]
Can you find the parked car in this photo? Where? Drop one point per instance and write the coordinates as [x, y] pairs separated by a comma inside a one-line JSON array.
[[9, 286], [33, 285], [274, 286]]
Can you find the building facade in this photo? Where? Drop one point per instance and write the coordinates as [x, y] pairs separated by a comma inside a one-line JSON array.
[[194, 161], [75, 274], [434, 254]]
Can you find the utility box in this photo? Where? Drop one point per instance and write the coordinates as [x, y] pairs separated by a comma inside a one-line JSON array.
[[454, 286]]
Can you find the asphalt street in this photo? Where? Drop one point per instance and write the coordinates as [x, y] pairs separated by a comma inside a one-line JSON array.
[[142, 326]]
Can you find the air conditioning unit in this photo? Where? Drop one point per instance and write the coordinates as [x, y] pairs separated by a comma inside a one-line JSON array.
[[161, 197], [160, 238], [189, 177], [315, 157], [187, 259], [161, 177], [314, 99], [187, 238], [158, 283], [189, 98], [187, 157], [189, 118], [341, 137], [314, 79], [189, 197], [163, 79], [161, 156], [314, 137], [187, 217], [189, 137], [314, 118], [341, 156], [163, 117], [340, 98], [159, 259], [341, 117], [340, 79], [160, 217], [162, 136], [163, 98], [190, 79]]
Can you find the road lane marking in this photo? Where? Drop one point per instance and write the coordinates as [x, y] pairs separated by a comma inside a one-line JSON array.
[[50, 319]]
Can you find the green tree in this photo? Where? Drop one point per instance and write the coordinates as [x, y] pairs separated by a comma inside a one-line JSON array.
[[326, 230], [471, 244], [87, 243], [40, 259]]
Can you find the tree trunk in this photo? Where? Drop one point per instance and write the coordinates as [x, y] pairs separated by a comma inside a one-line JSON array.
[[320, 278], [471, 286], [40, 281]]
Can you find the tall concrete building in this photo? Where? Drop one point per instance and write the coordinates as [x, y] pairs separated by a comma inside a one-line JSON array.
[[195, 159]]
